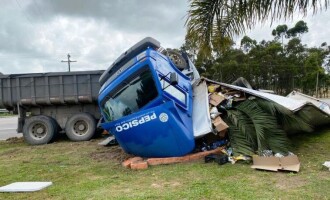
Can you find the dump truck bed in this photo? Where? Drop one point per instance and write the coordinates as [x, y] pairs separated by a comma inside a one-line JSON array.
[[54, 88]]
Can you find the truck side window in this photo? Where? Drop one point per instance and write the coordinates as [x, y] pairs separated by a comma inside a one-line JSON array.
[[173, 91], [137, 91]]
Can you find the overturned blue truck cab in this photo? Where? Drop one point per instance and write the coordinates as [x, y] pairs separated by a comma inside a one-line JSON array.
[[147, 102]]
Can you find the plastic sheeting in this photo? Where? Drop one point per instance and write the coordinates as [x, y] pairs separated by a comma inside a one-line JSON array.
[[25, 186], [202, 124]]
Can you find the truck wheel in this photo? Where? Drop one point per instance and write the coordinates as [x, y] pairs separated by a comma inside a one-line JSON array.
[[177, 59], [80, 127], [39, 130]]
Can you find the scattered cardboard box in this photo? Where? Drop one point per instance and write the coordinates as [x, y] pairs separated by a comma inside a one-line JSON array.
[[220, 126], [216, 99], [222, 134], [272, 163]]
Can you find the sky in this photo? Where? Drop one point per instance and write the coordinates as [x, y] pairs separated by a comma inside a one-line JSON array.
[[36, 35]]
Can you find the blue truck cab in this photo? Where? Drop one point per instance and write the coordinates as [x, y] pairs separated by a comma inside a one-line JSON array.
[[147, 103]]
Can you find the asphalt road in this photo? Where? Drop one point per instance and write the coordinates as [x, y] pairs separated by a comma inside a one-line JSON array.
[[8, 127]]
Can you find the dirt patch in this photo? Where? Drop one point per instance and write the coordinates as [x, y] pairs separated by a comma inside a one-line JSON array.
[[165, 184], [111, 153], [13, 140], [11, 152], [286, 182]]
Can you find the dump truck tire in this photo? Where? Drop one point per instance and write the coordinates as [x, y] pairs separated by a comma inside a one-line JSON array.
[[80, 127], [39, 130]]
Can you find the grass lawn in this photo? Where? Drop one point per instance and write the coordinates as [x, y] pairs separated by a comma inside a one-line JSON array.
[[6, 115], [85, 170]]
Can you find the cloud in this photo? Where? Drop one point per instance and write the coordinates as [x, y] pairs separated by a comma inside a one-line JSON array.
[[35, 35]]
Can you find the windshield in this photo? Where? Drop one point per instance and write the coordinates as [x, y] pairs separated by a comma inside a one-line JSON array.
[[133, 94]]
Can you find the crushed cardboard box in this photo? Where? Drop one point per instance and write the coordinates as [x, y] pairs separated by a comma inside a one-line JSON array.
[[272, 163], [216, 99], [220, 126]]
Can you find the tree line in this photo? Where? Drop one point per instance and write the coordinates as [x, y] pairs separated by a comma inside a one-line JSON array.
[[282, 64]]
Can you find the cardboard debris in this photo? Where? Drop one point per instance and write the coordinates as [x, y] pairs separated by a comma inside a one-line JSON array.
[[272, 163], [216, 99], [220, 126]]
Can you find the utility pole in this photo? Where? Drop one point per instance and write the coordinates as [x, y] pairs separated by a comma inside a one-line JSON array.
[[69, 61]]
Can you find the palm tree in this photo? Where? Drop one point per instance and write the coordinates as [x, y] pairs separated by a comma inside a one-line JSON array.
[[210, 22]]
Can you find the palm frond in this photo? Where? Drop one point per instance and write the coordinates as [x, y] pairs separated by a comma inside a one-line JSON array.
[[278, 141], [290, 122], [313, 116], [245, 126], [226, 18], [238, 141], [269, 133]]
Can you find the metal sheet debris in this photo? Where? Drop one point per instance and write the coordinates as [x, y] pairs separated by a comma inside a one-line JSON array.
[[316, 102], [202, 124]]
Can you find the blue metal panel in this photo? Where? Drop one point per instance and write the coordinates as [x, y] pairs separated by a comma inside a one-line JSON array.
[[161, 128], [160, 131]]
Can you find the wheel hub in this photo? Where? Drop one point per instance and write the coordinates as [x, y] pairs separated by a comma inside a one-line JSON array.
[[38, 131], [80, 127]]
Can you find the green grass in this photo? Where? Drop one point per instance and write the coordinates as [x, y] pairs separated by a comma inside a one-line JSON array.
[[6, 114], [87, 171]]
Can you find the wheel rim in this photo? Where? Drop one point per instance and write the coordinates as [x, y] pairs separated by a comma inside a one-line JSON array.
[[38, 130], [80, 128]]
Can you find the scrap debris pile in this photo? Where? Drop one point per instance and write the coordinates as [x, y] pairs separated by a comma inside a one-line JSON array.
[[257, 126], [218, 121], [248, 126], [252, 130]]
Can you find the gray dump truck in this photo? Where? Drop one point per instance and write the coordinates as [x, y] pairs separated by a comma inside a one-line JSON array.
[[51, 103]]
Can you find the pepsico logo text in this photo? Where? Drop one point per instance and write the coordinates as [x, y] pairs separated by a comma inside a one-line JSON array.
[[135, 122]]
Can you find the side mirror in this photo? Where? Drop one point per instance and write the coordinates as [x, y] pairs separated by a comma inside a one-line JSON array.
[[174, 80]]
